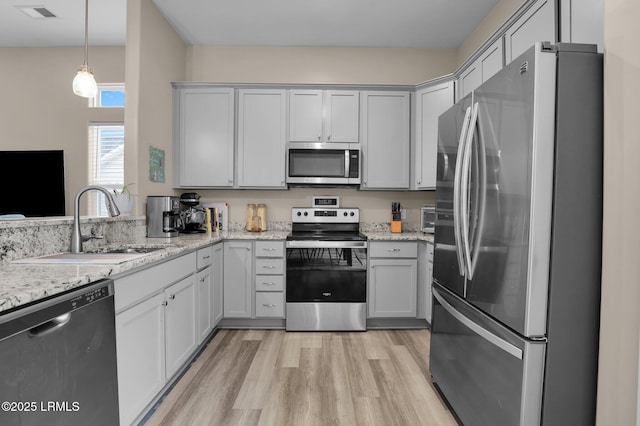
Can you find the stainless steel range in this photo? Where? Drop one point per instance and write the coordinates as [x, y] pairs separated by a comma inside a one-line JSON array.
[[326, 279]]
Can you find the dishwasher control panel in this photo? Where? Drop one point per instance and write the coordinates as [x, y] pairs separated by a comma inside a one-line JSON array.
[[89, 297]]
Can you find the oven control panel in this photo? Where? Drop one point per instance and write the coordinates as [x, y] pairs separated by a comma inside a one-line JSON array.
[[317, 215]]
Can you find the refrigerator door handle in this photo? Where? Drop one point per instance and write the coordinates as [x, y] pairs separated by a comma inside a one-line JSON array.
[[464, 190], [456, 192], [482, 158], [480, 331]]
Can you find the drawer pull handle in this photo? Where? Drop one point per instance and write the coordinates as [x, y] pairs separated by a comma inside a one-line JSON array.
[[269, 249], [268, 283], [268, 267], [393, 250], [269, 305], [206, 257]]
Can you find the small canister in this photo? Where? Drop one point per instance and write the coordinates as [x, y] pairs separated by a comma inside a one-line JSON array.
[[262, 214], [251, 212]]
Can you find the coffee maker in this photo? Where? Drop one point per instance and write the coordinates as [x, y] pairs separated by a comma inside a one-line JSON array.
[[192, 217], [163, 216]]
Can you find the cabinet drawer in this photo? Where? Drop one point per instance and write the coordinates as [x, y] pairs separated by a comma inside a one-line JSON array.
[[269, 283], [269, 266], [270, 304], [394, 249], [140, 285], [269, 249], [205, 257]]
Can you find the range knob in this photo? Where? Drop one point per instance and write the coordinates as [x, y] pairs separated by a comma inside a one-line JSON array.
[[352, 214], [345, 213], [299, 213], [306, 213]]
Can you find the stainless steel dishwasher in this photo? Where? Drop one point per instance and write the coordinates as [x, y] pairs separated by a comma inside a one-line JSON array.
[[58, 360]]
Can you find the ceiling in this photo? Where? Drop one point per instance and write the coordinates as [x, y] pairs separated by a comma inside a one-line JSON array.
[[359, 23]]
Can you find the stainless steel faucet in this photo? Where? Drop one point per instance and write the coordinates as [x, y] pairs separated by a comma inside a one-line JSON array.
[[76, 237]]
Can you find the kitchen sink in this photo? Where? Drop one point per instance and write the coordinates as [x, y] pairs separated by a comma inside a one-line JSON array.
[[102, 256]]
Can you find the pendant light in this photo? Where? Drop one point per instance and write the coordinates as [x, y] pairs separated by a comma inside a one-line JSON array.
[[84, 84]]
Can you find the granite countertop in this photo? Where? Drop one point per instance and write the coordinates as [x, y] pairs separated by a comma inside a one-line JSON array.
[[21, 284]]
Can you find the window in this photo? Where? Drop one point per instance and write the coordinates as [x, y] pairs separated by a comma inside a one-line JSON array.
[[109, 96], [106, 162]]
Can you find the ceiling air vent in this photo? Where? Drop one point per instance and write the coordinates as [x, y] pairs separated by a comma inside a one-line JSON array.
[[37, 12]]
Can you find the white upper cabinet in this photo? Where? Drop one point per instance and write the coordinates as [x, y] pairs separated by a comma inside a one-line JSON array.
[[385, 139], [430, 102], [538, 23], [582, 21], [204, 137], [323, 116], [490, 62], [262, 125]]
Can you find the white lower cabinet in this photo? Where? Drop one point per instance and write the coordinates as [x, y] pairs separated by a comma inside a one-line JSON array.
[[156, 330], [217, 277], [238, 279], [140, 338], [180, 324], [393, 280]]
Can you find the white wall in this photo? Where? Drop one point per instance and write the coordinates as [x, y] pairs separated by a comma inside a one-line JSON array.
[[40, 111], [620, 321]]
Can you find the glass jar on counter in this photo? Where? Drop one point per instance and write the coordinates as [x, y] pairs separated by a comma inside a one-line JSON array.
[[251, 212], [262, 214]]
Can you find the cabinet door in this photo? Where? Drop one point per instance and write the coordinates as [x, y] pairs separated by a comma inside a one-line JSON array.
[[341, 112], [430, 103], [305, 115], [238, 279], [469, 80], [385, 140], [393, 288], [492, 60], [217, 278], [180, 323], [537, 24], [205, 133], [205, 321], [429, 278], [582, 21], [140, 352], [261, 138]]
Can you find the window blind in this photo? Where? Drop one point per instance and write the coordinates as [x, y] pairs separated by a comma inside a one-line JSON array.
[[106, 162]]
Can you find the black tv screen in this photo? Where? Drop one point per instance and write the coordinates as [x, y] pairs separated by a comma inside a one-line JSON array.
[[33, 183]]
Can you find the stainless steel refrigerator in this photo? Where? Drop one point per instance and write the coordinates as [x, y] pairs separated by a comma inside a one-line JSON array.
[[517, 260]]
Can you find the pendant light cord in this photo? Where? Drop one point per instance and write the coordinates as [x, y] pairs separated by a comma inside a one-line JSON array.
[[86, 34]]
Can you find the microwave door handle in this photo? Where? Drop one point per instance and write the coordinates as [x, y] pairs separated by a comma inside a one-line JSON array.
[[456, 192], [347, 158]]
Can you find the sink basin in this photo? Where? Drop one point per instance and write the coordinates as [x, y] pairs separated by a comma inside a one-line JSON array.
[[104, 256]]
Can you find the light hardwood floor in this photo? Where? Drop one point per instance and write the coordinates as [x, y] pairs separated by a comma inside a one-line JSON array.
[[273, 377]]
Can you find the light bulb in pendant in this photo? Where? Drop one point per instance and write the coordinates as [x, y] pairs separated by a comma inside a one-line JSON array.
[[84, 84]]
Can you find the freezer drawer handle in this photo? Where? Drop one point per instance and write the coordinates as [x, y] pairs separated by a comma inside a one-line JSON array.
[[485, 334]]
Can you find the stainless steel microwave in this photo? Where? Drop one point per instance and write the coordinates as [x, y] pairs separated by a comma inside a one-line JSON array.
[[428, 219], [311, 165]]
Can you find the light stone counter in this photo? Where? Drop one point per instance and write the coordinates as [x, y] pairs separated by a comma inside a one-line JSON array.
[[21, 284], [401, 236]]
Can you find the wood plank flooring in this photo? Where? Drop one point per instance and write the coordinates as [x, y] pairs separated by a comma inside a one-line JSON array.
[[273, 377]]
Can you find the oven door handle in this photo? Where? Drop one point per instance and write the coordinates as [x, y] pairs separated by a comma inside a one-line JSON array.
[[326, 244]]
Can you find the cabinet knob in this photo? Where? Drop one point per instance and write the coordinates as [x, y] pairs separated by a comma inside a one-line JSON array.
[[319, 138], [173, 296], [202, 279], [164, 303], [329, 137]]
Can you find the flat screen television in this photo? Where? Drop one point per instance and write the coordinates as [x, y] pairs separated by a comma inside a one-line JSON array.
[[33, 183]]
